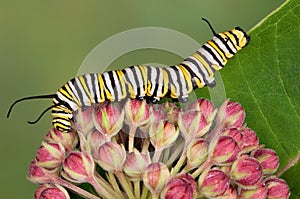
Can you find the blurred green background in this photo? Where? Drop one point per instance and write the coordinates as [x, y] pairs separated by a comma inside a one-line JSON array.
[[43, 43]]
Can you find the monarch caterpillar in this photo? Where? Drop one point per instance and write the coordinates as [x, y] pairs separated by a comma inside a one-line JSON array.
[[145, 82]]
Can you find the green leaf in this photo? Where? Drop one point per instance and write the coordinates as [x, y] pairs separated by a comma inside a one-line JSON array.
[[265, 78]]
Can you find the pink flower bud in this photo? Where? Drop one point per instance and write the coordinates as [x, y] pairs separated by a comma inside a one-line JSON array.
[[137, 112], [95, 139], [68, 140], [206, 107], [232, 115], [234, 134], [78, 167], [225, 150], [155, 176], [111, 156], [163, 134], [277, 188], [247, 172], [250, 140], [197, 152], [268, 159], [158, 115], [231, 193], [83, 119], [109, 120], [192, 124], [258, 193], [51, 191], [41, 175], [213, 183], [181, 186], [135, 164], [50, 155]]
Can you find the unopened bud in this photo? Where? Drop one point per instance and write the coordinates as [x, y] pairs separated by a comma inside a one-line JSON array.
[[213, 183], [258, 193], [108, 119], [78, 167], [225, 150], [197, 152], [277, 188], [247, 172], [51, 191], [268, 159], [155, 176], [135, 164], [68, 140], [137, 112], [250, 140], [181, 186], [50, 155], [111, 156]]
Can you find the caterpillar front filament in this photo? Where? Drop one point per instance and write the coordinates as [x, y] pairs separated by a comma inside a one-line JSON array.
[[145, 82]]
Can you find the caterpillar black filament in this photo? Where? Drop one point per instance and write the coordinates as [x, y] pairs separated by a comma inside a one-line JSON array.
[[145, 82]]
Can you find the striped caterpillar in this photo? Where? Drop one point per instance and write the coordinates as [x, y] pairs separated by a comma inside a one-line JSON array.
[[145, 82]]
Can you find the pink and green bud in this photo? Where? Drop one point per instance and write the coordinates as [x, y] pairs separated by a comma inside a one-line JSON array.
[[51, 191], [231, 193], [234, 134], [68, 140], [268, 159], [213, 183], [247, 172], [162, 134], [137, 112], [224, 151], [197, 152], [135, 164], [109, 120], [41, 175], [158, 115], [258, 193], [111, 156], [206, 107], [83, 119], [50, 155], [181, 186], [155, 176], [231, 114], [78, 167], [192, 124], [95, 139], [277, 188], [250, 140]]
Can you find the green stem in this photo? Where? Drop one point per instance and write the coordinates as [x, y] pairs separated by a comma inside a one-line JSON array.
[[174, 155], [137, 190], [76, 189], [112, 180], [205, 165], [180, 162], [145, 192], [157, 154], [132, 130], [146, 145], [100, 190], [125, 184]]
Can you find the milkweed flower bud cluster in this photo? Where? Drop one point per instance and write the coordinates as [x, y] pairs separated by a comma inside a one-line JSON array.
[[139, 150]]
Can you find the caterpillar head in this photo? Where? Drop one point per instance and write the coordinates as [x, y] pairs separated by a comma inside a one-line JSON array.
[[231, 41], [242, 39]]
